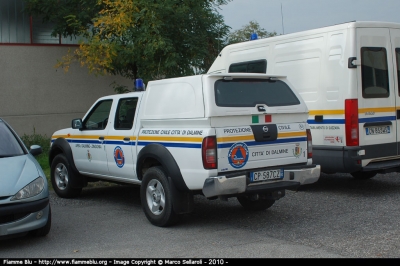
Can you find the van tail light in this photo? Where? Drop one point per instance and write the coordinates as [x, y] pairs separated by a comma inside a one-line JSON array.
[[309, 144], [351, 122], [209, 152]]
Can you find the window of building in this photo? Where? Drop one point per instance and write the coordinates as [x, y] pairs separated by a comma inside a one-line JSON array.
[[14, 24], [16, 27]]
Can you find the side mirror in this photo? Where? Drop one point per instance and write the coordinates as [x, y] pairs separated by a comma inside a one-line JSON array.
[[35, 150], [77, 123]]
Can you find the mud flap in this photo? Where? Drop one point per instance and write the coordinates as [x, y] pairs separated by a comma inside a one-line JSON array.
[[182, 201]]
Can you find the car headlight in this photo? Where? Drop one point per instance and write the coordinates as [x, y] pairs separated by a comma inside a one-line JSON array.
[[30, 190]]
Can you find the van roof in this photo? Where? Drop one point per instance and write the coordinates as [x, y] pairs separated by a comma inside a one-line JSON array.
[[247, 75], [345, 25]]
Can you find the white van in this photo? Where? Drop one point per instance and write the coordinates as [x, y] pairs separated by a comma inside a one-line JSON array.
[[348, 75]]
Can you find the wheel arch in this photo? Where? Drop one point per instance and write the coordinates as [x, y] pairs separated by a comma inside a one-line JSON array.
[[61, 146], [156, 154]]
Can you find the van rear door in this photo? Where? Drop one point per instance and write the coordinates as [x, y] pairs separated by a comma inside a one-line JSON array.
[[376, 95], [260, 123], [395, 40]]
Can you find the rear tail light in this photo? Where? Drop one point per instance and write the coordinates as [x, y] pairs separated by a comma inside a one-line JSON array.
[[309, 144], [351, 122], [209, 152]]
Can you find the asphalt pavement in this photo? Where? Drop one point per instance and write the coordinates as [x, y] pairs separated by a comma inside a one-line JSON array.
[[337, 217]]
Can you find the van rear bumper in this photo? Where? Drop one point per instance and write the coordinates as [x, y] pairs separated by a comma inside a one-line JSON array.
[[347, 159], [337, 159], [240, 183]]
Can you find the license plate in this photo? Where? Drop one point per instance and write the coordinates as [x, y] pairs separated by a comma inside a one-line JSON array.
[[266, 175], [377, 130]]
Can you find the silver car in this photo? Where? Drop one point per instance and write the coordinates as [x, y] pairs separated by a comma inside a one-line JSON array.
[[24, 193]]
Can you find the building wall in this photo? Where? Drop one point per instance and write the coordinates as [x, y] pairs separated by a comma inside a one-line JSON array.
[[37, 97]]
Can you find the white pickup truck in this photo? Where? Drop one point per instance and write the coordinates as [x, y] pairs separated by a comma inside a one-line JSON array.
[[221, 136]]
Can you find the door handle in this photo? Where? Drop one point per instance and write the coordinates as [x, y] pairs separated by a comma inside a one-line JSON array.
[[261, 108], [127, 139], [101, 138]]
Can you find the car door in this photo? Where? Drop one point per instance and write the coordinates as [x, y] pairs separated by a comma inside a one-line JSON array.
[[120, 141], [377, 95], [88, 143]]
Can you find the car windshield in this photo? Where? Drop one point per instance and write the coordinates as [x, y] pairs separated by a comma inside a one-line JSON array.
[[9, 145]]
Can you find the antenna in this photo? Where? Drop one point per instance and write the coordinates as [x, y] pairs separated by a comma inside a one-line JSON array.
[[283, 28], [158, 73]]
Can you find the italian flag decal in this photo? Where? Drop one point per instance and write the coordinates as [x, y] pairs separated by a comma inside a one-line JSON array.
[[255, 119]]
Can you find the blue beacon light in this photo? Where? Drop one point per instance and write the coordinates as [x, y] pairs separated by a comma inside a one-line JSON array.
[[139, 85], [253, 36]]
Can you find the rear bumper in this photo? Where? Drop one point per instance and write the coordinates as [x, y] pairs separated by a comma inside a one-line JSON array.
[[233, 185], [348, 159], [337, 159]]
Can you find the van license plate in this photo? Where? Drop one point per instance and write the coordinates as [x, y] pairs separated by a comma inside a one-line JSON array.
[[266, 175], [377, 130]]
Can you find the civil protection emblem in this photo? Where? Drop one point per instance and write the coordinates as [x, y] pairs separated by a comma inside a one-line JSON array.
[[238, 155], [119, 156], [297, 151]]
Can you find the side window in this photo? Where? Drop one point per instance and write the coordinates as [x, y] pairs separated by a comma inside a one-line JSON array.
[[125, 113], [98, 117], [398, 69], [259, 66], [9, 145], [374, 72]]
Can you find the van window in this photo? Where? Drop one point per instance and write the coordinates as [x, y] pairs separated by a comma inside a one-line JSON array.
[[98, 117], [374, 72], [125, 113], [250, 92], [398, 68], [259, 66]]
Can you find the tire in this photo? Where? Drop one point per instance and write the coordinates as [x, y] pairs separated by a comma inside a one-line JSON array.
[[45, 229], [255, 204], [61, 174], [156, 198], [363, 175]]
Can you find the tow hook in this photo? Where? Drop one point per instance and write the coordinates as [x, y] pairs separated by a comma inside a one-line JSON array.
[[274, 195]]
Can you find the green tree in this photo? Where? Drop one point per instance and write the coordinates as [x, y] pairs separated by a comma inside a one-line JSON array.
[[138, 38], [245, 32]]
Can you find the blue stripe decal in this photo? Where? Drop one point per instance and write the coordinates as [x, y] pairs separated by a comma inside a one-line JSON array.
[[189, 145], [174, 145], [83, 141], [141, 143], [326, 121], [116, 142], [254, 143], [110, 142], [376, 119], [360, 120]]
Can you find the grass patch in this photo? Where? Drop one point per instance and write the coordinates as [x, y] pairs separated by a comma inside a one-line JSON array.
[[43, 159]]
